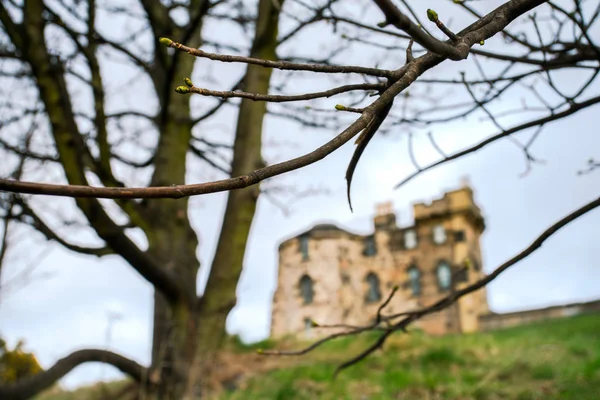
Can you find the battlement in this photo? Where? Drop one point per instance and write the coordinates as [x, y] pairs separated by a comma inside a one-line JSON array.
[[384, 216], [456, 201]]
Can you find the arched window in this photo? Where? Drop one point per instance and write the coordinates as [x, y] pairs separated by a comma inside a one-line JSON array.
[[374, 292], [444, 275], [306, 289], [414, 276]]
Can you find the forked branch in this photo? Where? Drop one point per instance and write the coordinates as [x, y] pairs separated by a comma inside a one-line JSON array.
[[399, 80]]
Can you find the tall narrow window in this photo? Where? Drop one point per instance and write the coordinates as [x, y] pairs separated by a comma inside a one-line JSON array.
[[444, 275], [307, 325], [304, 247], [374, 292], [306, 289], [439, 234], [410, 239], [370, 248], [414, 276]]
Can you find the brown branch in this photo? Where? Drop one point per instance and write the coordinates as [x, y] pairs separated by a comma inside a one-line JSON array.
[[29, 387], [98, 39], [384, 304], [73, 151], [13, 29], [50, 235], [284, 98], [220, 104], [451, 35], [378, 316], [453, 297], [480, 30], [27, 153], [352, 330], [397, 18], [361, 356], [203, 156], [541, 121], [179, 191], [316, 344], [409, 52], [316, 17], [4, 240], [362, 142], [504, 32], [282, 65]]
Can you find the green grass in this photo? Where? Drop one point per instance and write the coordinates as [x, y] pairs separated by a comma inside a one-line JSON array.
[[99, 391], [558, 359]]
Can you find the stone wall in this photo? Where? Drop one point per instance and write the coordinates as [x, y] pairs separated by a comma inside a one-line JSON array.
[[341, 267], [493, 321]]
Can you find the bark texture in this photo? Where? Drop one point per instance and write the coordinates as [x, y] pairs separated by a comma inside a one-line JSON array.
[[187, 330]]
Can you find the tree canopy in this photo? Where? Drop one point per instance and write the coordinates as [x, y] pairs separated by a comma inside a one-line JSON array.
[[65, 132]]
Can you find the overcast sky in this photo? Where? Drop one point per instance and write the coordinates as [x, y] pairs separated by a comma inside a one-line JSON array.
[[67, 304]]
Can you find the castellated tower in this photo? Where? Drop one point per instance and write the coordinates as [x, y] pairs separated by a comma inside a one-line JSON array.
[[333, 276]]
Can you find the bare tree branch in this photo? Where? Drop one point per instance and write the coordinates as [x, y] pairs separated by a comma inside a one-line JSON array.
[[530, 124], [283, 65], [284, 98], [480, 30], [27, 388]]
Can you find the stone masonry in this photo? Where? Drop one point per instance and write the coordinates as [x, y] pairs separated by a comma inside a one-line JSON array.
[[332, 276]]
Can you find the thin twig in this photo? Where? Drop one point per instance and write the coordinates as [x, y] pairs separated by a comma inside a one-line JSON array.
[[284, 65]]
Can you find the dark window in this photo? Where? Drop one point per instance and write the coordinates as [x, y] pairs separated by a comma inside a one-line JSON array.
[[459, 236], [414, 277], [370, 248], [306, 289], [345, 278], [374, 292], [462, 275], [444, 275], [304, 247]]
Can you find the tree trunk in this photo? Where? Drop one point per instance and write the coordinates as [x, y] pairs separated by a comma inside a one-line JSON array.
[[171, 239], [220, 294], [186, 333]]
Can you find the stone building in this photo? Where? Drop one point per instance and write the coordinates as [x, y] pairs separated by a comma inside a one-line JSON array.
[[332, 276]]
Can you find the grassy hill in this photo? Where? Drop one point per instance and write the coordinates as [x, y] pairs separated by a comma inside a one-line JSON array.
[[557, 359]]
